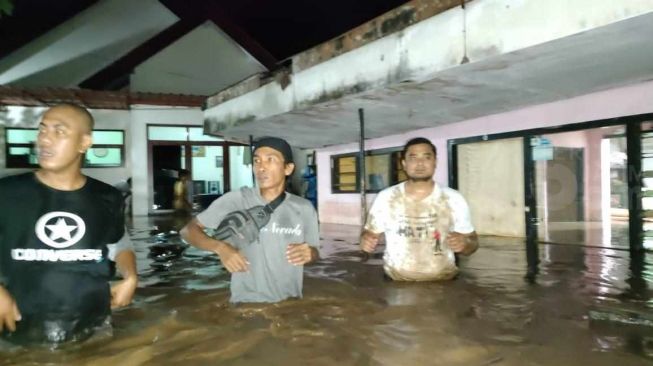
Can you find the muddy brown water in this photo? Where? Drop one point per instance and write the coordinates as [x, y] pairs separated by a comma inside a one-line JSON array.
[[351, 315]]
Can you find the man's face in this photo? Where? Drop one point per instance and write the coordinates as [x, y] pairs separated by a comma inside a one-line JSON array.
[[270, 168], [63, 137], [419, 162]]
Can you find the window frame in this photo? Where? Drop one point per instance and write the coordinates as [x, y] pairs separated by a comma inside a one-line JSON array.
[[218, 138], [9, 145], [395, 157]]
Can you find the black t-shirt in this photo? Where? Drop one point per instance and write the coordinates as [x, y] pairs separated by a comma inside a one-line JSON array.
[[53, 250]]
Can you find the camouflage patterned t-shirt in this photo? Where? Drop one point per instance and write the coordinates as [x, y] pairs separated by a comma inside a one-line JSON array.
[[413, 252]]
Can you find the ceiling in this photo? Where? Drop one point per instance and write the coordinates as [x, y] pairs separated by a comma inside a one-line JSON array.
[[165, 46]]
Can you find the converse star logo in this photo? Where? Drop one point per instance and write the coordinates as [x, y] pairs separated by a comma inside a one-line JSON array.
[[60, 229]]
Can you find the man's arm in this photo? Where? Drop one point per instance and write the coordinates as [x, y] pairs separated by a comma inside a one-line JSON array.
[[9, 313], [375, 224], [369, 241], [231, 258], [122, 253], [299, 254], [315, 254], [122, 293], [464, 244]]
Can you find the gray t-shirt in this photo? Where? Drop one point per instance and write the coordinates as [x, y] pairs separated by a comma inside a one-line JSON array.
[[270, 277]]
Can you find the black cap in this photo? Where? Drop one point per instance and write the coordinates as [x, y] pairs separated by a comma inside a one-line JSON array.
[[275, 143]]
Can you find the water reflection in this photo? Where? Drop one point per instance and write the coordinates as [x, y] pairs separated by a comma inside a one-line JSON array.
[[576, 312]]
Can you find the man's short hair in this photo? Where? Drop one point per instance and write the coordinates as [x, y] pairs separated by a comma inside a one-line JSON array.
[[417, 141], [86, 115]]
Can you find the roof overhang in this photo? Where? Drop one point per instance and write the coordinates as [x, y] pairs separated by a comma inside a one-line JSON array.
[[93, 99], [414, 78]]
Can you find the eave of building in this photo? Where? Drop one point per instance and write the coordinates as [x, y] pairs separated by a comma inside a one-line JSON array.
[[94, 99], [386, 24], [519, 54]]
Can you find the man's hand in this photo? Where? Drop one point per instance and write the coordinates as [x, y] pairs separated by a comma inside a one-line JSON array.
[[465, 244], [9, 313], [300, 254], [122, 292], [369, 241], [232, 259]]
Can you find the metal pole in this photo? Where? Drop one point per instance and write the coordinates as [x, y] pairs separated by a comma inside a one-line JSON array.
[[361, 165], [251, 155], [530, 215], [635, 182]]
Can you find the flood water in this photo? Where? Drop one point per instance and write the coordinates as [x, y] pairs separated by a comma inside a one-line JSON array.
[[588, 306]]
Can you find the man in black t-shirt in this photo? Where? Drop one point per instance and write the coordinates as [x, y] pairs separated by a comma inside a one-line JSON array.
[[58, 231]]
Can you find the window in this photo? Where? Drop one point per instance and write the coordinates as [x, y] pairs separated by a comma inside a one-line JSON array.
[[20, 151], [178, 133], [345, 177], [108, 148], [382, 168]]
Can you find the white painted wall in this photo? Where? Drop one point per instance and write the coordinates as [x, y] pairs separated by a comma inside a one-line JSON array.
[[528, 22], [625, 101]]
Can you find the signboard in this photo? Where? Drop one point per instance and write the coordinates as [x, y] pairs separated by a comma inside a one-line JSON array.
[[542, 149]]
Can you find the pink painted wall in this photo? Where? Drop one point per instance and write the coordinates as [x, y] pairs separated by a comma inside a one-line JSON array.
[[624, 101]]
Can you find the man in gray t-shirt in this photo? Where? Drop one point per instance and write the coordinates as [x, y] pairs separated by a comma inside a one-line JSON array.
[[268, 269]]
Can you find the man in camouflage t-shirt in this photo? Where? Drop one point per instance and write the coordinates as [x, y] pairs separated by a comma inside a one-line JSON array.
[[424, 224]]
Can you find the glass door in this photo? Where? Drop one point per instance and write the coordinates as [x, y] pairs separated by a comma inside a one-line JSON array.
[[647, 184], [207, 167], [581, 187], [240, 167]]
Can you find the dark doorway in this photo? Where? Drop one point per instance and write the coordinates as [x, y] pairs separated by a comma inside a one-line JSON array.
[[166, 163]]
